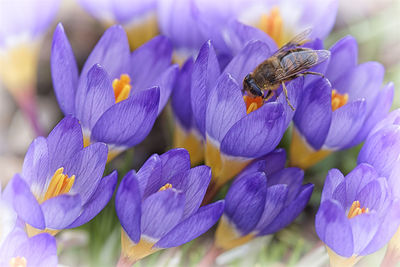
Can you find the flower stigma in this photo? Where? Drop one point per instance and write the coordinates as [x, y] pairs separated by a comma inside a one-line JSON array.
[[18, 262], [253, 103], [122, 87], [356, 209], [272, 24], [338, 100], [60, 184], [165, 187]]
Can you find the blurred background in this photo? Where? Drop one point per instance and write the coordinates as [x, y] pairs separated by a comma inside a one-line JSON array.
[[374, 23]]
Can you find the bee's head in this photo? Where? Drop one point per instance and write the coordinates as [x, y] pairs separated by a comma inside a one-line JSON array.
[[250, 86]]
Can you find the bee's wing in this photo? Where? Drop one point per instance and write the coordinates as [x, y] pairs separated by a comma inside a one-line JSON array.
[[297, 62], [298, 40]]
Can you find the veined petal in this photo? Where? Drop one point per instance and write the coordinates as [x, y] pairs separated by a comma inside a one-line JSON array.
[[364, 228], [373, 194], [332, 181], [275, 161], [128, 122], [64, 71], [192, 227], [149, 176], [174, 161], [61, 211], [98, 200], [225, 107], [128, 205], [40, 250], [292, 177], [94, 97], [205, 74], [359, 177], [166, 83]]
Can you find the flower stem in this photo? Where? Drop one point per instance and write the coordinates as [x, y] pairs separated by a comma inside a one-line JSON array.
[[27, 103], [125, 261], [212, 191], [210, 257]]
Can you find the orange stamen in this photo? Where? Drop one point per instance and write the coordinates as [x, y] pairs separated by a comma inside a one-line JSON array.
[[272, 24], [338, 100], [60, 184], [18, 262], [356, 209], [253, 103], [122, 87], [165, 187]]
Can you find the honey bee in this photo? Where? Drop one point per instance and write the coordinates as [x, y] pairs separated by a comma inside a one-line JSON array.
[[288, 63]]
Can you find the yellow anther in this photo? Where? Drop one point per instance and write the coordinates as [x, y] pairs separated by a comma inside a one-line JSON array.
[[122, 87], [272, 24], [60, 184], [165, 187], [253, 103], [338, 100], [356, 209], [18, 262]]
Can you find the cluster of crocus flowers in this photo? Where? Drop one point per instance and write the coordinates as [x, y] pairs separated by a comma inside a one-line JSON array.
[[118, 94], [159, 206], [340, 113], [61, 184]]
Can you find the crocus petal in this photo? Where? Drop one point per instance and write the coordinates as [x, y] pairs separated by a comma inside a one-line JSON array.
[[346, 123], [61, 211], [149, 176], [275, 161], [64, 71], [192, 227], [373, 194], [128, 206], [174, 161], [111, 52], [40, 250], [35, 169], [248, 59], [245, 201], [333, 228], [149, 61], [205, 74], [88, 167], [225, 107], [314, 114], [14, 241], [161, 212], [94, 97], [364, 228], [258, 133], [98, 201], [392, 118], [354, 183], [24, 202], [344, 55], [63, 142], [128, 122], [295, 94], [290, 212], [166, 83], [292, 177], [333, 179]]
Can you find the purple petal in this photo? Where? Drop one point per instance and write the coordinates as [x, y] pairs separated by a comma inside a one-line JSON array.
[[344, 57], [333, 228], [111, 52], [180, 98], [256, 134], [94, 97], [245, 202], [364, 227], [40, 250], [392, 118], [88, 167], [35, 169], [225, 107], [98, 200], [11, 244], [372, 195], [18, 194], [333, 179], [60, 211], [128, 206], [357, 179], [64, 71], [314, 114], [248, 59], [192, 227], [63, 142], [128, 122], [161, 212], [174, 161], [346, 123], [149, 61], [149, 176], [292, 177], [205, 74], [275, 161], [295, 95], [166, 83], [290, 212]]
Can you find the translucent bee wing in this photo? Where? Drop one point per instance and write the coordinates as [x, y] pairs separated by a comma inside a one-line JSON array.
[[298, 40]]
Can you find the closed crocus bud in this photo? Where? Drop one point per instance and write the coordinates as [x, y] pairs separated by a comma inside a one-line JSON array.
[[358, 214], [61, 184], [159, 206], [118, 95]]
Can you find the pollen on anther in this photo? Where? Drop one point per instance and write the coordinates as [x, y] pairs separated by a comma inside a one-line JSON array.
[[59, 184], [356, 210], [272, 24], [122, 87], [18, 262], [338, 100], [253, 103], [165, 187]]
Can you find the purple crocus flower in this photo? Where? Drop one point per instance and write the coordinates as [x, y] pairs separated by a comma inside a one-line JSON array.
[[61, 184], [340, 114], [159, 206], [118, 95], [20, 250], [357, 215], [263, 199]]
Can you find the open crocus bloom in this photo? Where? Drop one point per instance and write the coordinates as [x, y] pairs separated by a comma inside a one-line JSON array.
[[159, 206], [357, 216], [61, 184], [118, 95]]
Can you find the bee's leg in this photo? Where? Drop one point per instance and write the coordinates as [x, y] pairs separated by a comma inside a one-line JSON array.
[[286, 95], [268, 95]]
